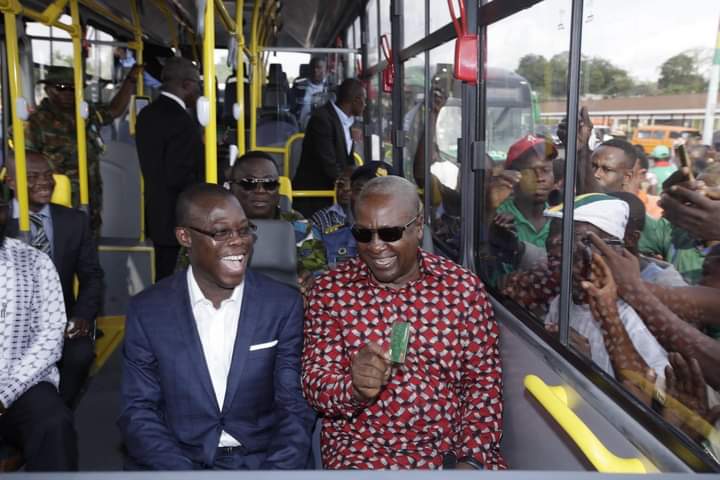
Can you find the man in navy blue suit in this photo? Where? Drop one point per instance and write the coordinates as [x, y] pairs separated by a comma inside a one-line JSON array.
[[211, 359]]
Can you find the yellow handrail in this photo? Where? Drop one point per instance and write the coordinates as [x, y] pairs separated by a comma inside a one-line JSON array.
[[225, 18], [139, 55], [240, 75], [255, 73], [10, 10], [314, 193], [209, 93], [288, 149], [556, 405], [107, 13], [79, 101]]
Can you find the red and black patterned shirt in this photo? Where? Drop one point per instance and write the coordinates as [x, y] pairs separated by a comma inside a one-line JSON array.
[[445, 398]]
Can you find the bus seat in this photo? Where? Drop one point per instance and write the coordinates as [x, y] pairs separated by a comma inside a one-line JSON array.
[[274, 127], [285, 194], [295, 153], [275, 253], [62, 193]]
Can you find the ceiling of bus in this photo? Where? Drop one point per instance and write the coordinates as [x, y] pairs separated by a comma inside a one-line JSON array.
[[301, 23]]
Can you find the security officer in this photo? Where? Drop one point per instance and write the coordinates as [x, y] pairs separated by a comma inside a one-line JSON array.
[[51, 131]]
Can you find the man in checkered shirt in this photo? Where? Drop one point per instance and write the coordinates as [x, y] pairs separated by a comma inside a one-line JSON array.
[[33, 417], [442, 405]]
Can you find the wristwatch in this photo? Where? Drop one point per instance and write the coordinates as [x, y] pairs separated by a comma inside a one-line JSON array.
[[472, 462]]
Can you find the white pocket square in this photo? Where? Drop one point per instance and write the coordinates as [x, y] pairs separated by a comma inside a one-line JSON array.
[[261, 346]]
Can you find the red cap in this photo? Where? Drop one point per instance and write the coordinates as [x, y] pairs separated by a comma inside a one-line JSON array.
[[518, 148]]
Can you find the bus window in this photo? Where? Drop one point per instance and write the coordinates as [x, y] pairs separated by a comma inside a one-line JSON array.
[[625, 320], [414, 24], [414, 120], [444, 119]]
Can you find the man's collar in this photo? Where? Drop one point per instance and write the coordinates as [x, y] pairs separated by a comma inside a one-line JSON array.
[[197, 296], [174, 97], [346, 120], [44, 211]]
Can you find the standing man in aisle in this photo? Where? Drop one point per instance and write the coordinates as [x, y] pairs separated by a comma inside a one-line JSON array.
[[170, 151], [328, 147]]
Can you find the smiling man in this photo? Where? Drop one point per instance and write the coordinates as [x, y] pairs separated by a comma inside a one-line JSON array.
[[442, 403], [211, 360]]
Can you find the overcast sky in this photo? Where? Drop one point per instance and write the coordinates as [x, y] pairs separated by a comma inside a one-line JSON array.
[[637, 35]]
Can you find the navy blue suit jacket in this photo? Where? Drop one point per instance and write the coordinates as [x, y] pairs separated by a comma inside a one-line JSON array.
[[170, 418]]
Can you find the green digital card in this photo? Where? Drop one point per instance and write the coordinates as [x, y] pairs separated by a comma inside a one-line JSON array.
[[399, 342]]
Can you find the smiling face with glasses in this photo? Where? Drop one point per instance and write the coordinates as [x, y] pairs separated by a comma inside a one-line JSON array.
[[388, 230], [219, 239], [255, 183]]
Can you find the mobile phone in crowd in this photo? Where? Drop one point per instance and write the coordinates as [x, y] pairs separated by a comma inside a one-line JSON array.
[[684, 160]]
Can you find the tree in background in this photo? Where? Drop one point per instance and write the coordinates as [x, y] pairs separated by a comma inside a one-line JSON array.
[[680, 74]]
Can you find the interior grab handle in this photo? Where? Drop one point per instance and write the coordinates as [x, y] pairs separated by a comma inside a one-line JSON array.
[[555, 401]]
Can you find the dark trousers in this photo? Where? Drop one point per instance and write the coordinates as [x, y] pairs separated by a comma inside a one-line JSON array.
[[41, 425], [165, 260], [77, 358]]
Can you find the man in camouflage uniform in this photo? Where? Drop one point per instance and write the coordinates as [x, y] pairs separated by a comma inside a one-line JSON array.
[[50, 130]]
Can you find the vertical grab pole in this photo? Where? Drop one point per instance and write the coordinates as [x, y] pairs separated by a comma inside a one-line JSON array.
[[209, 92], [240, 74], [80, 105], [139, 92], [254, 85], [13, 62]]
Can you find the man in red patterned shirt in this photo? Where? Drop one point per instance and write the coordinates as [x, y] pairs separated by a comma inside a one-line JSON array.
[[444, 402]]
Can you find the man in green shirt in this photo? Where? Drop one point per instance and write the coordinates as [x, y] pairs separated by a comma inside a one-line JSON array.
[[522, 213], [663, 166]]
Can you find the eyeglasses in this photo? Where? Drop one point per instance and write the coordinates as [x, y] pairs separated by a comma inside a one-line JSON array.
[[385, 234], [221, 236], [64, 87], [250, 184]]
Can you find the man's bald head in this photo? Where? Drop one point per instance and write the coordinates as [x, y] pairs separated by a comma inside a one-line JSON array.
[[186, 210], [177, 69], [393, 186]]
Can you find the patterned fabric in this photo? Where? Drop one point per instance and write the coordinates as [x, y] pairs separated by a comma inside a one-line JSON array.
[[331, 226], [39, 239], [32, 320], [52, 132], [328, 218], [310, 249], [446, 397]]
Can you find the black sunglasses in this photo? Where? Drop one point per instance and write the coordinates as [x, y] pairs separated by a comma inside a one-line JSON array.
[[221, 236], [250, 184], [386, 234]]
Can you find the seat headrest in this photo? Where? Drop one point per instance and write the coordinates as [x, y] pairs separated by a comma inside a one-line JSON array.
[[274, 252]]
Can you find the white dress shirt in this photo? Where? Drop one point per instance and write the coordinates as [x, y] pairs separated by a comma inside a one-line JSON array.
[[582, 320], [32, 320], [217, 329], [174, 97], [346, 122]]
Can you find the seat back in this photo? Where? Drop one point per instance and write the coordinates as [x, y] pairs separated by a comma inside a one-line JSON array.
[[274, 253], [62, 193], [295, 150]]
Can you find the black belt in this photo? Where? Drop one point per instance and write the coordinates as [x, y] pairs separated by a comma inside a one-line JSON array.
[[229, 451]]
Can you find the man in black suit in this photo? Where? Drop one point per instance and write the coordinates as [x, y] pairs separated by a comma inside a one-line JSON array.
[[170, 150], [327, 146], [64, 234]]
